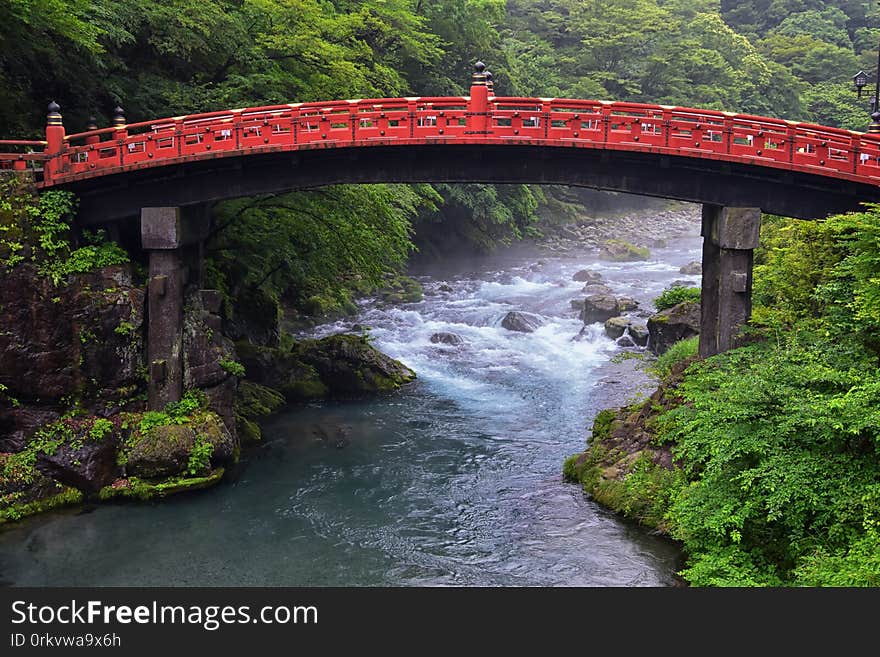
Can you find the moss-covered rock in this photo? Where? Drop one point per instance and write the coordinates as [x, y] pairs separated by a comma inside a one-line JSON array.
[[253, 402], [626, 466], [336, 366], [145, 489], [172, 449], [401, 289], [672, 325], [623, 251], [350, 365]]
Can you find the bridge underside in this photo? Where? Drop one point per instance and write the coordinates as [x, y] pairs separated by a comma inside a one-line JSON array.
[[700, 180]]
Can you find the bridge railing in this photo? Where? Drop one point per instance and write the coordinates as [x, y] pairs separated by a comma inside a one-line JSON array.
[[23, 155], [398, 121]]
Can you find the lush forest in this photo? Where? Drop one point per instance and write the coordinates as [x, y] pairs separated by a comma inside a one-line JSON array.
[[777, 466]]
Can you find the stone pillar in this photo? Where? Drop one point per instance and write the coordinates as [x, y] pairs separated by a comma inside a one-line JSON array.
[[162, 237], [730, 236]]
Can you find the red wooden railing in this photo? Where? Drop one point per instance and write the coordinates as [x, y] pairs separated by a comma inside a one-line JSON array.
[[678, 131]]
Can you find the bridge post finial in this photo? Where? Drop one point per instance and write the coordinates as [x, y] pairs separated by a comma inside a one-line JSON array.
[[874, 127], [490, 83], [119, 123], [478, 106], [479, 77], [54, 140]]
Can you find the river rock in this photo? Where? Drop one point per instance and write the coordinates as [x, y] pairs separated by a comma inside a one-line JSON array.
[[599, 308], [340, 365], [627, 303], [622, 251], [596, 288], [616, 327], [332, 434], [445, 287], [639, 334], [350, 365], [673, 324], [587, 276], [521, 322], [165, 450], [681, 283], [444, 337], [81, 460], [693, 268], [625, 341]]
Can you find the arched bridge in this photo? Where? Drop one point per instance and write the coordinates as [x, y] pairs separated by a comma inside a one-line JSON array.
[[736, 165], [703, 156]]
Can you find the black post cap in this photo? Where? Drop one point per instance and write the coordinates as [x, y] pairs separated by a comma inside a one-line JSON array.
[[92, 124], [479, 78], [54, 115], [118, 116]]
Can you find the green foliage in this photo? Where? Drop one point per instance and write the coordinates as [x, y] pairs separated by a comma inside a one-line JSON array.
[[100, 429], [179, 412], [681, 350], [794, 258], [38, 230], [200, 456], [675, 295], [232, 367], [780, 447]]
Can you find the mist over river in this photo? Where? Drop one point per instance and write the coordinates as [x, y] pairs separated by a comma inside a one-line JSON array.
[[455, 480]]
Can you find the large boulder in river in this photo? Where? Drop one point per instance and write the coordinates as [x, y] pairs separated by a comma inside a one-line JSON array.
[[617, 326], [599, 308], [627, 303], [639, 334], [587, 276], [339, 365], [521, 322], [692, 268], [596, 288], [444, 337], [673, 324], [622, 251], [635, 334]]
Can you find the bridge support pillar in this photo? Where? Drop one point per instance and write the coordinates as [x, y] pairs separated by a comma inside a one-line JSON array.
[[166, 235], [730, 236]]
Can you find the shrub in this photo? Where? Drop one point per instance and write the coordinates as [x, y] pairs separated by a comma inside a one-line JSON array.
[[678, 352], [675, 295]]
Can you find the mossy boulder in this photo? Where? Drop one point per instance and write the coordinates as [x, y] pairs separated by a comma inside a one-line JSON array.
[[169, 449], [401, 289], [281, 370], [623, 251], [145, 489], [669, 326], [254, 401], [350, 365], [340, 365]]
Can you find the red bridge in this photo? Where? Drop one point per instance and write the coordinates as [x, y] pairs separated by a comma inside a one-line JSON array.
[[705, 156], [736, 165]]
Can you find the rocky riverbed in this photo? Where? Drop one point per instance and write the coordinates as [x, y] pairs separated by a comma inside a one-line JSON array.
[[645, 229]]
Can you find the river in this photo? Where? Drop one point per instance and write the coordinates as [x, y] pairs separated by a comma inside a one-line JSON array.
[[456, 480]]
